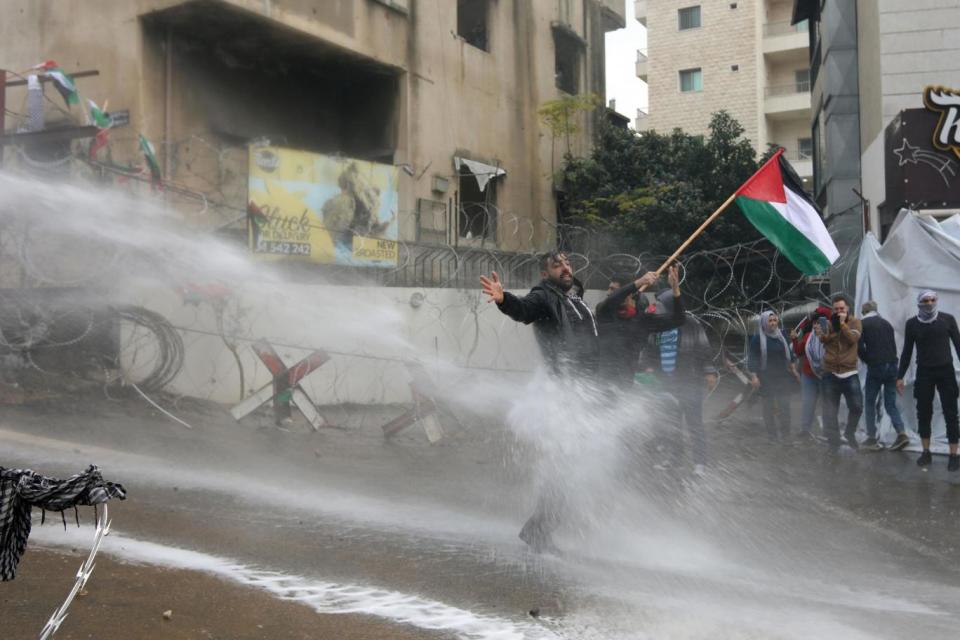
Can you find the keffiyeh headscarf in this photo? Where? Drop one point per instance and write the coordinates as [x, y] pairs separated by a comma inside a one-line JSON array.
[[927, 312], [22, 489], [766, 333]]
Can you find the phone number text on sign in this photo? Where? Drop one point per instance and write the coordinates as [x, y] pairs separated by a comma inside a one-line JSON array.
[[283, 248]]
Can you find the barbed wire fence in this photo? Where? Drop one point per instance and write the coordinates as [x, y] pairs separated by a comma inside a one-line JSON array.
[[724, 287]]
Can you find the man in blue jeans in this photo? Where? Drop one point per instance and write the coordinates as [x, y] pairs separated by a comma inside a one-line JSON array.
[[878, 350], [841, 380]]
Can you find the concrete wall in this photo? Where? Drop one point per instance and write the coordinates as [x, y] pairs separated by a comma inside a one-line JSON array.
[[450, 98], [450, 328]]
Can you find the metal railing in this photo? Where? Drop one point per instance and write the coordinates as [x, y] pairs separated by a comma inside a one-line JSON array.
[[784, 27], [802, 86]]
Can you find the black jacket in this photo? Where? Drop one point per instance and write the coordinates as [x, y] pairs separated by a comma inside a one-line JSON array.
[[694, 354], [933, 343], [565, 328], [621, 340], [877, 343]]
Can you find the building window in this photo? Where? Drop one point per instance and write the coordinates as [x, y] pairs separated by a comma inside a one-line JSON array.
[[689, 18], [567, 51], [805, 148], [472, 22], [691, 80], [734, 67], [802, 80], [477, 210]]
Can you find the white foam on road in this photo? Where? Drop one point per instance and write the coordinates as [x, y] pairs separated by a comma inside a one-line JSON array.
[[322, 597]]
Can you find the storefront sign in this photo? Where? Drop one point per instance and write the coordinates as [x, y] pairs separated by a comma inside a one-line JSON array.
[[946, 102]]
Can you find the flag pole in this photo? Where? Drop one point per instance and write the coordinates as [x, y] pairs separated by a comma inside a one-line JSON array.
[[713, 216]]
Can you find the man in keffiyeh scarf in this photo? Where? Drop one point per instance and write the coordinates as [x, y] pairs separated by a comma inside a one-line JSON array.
[[22, 489], [932, 331], [771, 364]]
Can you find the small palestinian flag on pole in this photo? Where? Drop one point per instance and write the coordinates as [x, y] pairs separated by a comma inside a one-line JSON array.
[[146, 146], [98, 116], [62, 81], [776, 204]]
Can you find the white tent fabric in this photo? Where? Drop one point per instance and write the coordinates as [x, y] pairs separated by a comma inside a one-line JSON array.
[[919, 253]]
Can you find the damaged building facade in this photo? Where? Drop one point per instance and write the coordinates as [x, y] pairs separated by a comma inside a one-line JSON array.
[[445, 93]]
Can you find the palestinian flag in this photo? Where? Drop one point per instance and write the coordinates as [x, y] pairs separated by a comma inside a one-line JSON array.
[[99, 117], [776, 204], [62, 81], [148, 152]]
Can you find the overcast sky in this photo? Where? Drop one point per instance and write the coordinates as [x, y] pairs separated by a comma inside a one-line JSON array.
[[622, 82]]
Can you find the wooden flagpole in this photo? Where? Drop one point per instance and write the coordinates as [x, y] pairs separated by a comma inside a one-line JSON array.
[[713, 216]]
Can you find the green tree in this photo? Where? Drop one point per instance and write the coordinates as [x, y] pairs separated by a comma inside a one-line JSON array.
[[646, 193], [649, 191]]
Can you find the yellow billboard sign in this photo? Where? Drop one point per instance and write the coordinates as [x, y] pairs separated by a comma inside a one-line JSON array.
[[309, 206]]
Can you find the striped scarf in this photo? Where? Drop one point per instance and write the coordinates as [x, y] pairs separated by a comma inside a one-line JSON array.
[[22, 489]]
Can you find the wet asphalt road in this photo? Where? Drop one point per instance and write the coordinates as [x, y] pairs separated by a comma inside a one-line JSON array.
[[776, 541]]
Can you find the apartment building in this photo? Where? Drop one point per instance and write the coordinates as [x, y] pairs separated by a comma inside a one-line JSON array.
[[446, 93], [745, 57], [875, 147]]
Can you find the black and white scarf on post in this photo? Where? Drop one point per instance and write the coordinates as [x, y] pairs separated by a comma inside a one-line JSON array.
[[22, 489]]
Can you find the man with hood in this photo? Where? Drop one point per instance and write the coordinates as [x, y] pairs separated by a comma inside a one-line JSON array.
[[624, 327], [932, 331], [878, 350], [566, 331]]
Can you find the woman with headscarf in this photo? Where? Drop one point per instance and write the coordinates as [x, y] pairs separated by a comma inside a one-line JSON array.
[[932, 331], [809, 350], [772, 373]]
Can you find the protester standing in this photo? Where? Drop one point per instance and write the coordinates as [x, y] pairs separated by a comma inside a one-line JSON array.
[[878, 350], [681, 359], [771, 364], [566, 331], [808, 349], [624, 326], [932, 331], [840, 340]]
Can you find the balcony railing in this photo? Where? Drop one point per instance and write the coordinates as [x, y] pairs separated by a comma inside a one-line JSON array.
[[802, 86], [641, 55], [785, 28]]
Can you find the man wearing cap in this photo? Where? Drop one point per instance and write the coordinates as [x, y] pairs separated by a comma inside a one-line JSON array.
[[878, 350], [932, 331]]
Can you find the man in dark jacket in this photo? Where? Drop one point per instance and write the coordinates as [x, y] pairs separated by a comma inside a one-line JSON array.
[[932, 331], [624, 327], [878, 350], [563, 324], [566, 331], [682, 361]]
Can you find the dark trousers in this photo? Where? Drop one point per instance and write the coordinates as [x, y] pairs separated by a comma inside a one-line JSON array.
[[546, 517], [775, 400], [881, 376], [833, 389], [689, 397], [943, 381]]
